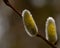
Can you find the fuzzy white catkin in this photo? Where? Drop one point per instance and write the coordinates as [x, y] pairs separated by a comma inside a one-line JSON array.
[[29, 23], [51, 33]]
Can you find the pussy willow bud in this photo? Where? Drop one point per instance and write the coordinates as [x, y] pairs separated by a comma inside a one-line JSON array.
[[51, 34], [29, 23]]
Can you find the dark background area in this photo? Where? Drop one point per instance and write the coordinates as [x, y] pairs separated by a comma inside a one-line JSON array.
[[12, 32]]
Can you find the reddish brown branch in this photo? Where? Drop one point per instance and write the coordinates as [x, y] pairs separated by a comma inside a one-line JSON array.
[[53, 46], [8, 4]]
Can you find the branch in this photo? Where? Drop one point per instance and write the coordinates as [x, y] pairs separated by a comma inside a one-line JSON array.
[[8, 4], [46, 41]]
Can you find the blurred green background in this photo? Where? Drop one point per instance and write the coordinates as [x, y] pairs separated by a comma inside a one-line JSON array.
[[12, 32]]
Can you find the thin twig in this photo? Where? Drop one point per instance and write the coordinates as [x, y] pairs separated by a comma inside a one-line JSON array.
[[8, 4], [53, 46]]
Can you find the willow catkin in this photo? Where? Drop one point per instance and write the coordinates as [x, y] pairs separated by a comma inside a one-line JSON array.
[[51, 34], [29, 23]]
